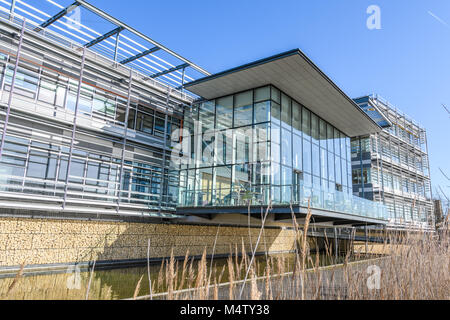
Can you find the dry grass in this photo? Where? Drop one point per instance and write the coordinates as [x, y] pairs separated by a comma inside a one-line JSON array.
[[414, 266]]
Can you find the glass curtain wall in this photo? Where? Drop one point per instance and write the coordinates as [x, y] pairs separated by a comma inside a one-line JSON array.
[[260, 145]]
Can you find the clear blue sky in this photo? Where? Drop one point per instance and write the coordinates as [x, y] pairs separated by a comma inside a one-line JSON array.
[[407, 61]]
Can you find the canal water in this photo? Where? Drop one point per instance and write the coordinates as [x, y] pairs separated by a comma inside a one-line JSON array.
[[116, 284]]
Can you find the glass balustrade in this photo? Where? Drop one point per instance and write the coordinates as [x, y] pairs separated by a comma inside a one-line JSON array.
[[304, 196]]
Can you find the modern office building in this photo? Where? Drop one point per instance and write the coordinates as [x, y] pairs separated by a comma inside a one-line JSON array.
[[105, 126], [273, 132], [116, 124], [392, 166]]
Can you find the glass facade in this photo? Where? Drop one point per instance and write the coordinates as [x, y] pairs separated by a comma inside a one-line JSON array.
[[264, 147], [137, 148], [38, 141]]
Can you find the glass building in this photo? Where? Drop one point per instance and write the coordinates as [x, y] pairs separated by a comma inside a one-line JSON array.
[[261, 146], [261, 143], [116, 124], [392, 166]]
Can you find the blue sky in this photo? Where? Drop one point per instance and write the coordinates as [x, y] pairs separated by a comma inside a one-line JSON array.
[[406, 62]]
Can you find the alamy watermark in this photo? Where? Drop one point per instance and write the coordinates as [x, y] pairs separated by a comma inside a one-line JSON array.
[[374, 279], [374, 19], [74, 19], [74, 280]]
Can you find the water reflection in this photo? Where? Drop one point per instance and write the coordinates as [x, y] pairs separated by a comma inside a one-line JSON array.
[[121, 283]]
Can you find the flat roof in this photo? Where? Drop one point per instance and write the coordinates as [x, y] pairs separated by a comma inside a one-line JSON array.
[[296, 75]]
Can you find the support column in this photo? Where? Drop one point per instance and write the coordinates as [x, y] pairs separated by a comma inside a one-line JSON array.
[[166, 121], [367, 240], [12, 8], [11, 91], [122, 163], [336, 245], [74, 129], [182, 79], [116, 49]]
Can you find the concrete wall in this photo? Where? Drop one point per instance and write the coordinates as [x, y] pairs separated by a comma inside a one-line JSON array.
[[51, 241]]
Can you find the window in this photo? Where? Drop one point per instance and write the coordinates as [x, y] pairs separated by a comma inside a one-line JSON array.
[[330, 137], [275, 113], [306, 156], [338, 169], [224, 147], [366, 176], [224, 112], [47, 92], [276, 174], [206, 115], [262, 94], [297, 148], [306, 125], [131, 118], [262, 112], [324, 163], [25, 79], [286, 147], [243, 145], [145, 122], [275, 152], [104, 106], [331, 171], [315, 128], [316, 160], [286, 110], [276, 95], [323, 134], [296, 117], [77, 170], [355, 149], [160, 123], [243, 109], [41, 166], [356, 176], [337, 149]]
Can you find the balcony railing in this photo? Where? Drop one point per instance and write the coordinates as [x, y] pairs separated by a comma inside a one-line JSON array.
[[301, 195]]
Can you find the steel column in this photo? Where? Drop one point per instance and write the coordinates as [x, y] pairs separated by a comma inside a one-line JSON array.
[[182, 79], [11, 91], [74, 127], [336, 245], [166, 121], [13, 7], [116, 49], [127, 115], [367, 237]]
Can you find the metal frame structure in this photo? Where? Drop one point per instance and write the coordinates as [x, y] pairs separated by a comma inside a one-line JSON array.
[[398, 154], [48, 56], [130, 46]]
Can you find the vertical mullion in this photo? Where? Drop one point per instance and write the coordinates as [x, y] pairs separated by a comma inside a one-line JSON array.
[[74, 129], [116, 49], [166, 118], [12, 8], [11, 91], [122, 164]]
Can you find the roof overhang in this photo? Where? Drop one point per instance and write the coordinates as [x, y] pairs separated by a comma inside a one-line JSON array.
[[371, 109], [296, 75]]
